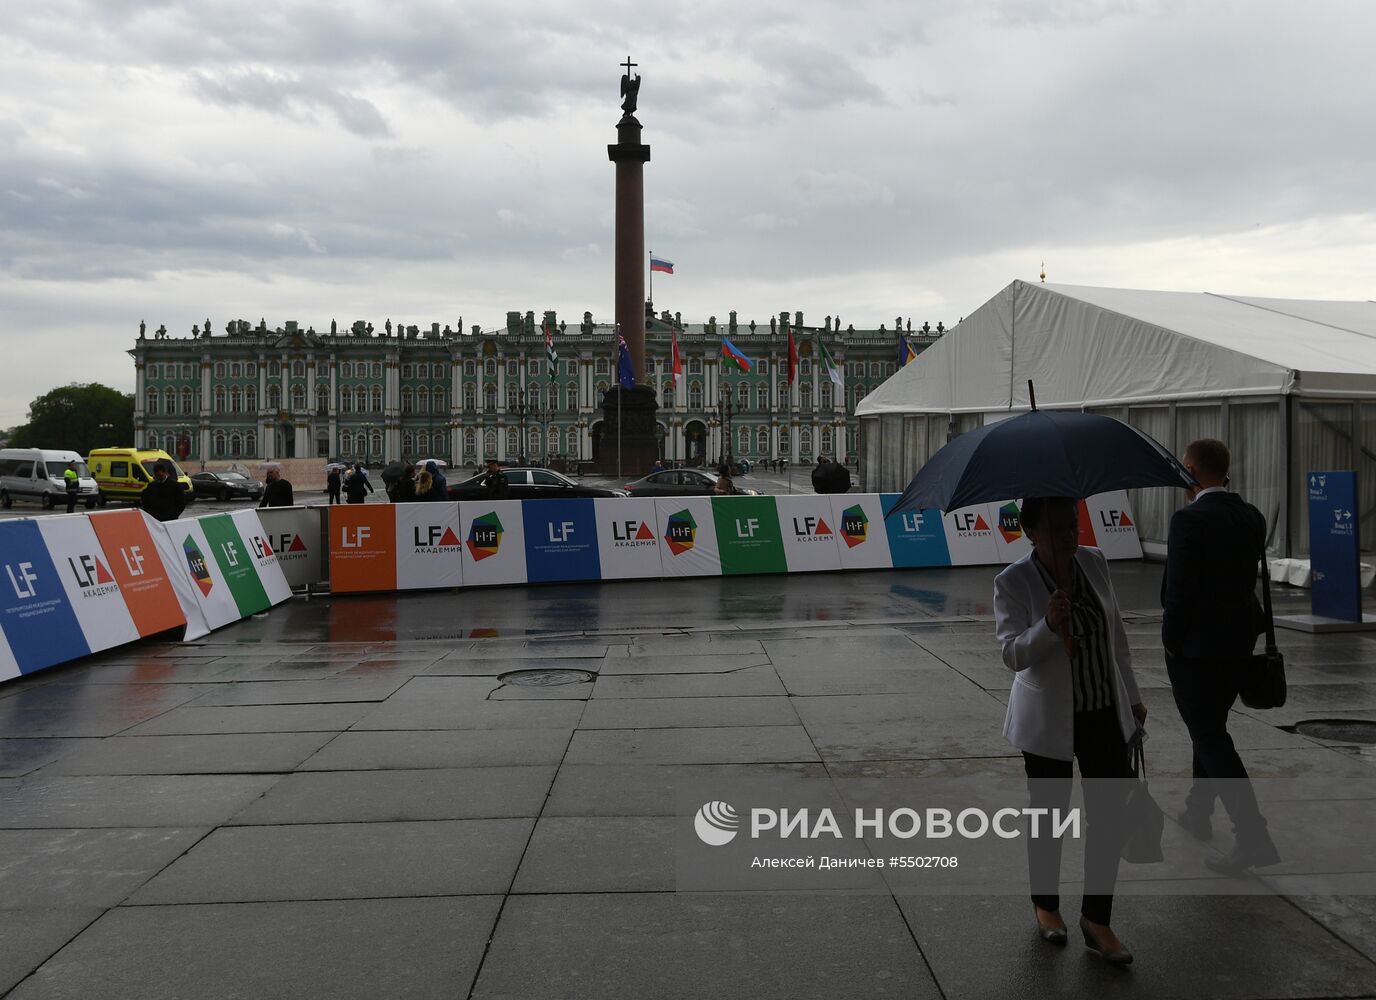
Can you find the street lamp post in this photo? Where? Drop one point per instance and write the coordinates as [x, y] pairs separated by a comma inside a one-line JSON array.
[[725, 411], [523, 410]]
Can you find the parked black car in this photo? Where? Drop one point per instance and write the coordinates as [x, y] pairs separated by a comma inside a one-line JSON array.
[[530, 484], [680, 483], [225, 486]]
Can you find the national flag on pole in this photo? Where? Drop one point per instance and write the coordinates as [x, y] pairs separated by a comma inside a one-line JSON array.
[[676, 367], [661, 265], [906, 352], [551, 352], [730, 352], [829, 366], [792, 358], [625, 371]]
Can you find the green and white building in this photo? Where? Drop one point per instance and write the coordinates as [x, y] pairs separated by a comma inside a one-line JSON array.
[[371, 395]]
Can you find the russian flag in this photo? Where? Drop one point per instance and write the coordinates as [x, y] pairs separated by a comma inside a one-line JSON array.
[[660, 264], [730, 352]]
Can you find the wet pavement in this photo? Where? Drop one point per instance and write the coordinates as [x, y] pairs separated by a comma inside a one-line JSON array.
[[348, 797]]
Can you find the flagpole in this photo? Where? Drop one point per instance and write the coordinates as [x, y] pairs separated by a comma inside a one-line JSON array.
[[652, 278]]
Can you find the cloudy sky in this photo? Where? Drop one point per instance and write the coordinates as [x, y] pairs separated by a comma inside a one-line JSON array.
[[425, 160]]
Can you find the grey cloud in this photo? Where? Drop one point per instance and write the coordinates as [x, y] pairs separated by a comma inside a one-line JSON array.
[[292, 96]]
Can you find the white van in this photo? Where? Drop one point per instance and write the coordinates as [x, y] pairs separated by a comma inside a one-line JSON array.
[[35, 474]]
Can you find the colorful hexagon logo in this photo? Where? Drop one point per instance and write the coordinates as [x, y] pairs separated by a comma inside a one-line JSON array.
[[485, 536]]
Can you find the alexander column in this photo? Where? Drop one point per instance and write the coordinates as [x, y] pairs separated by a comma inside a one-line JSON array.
[[629, 443]]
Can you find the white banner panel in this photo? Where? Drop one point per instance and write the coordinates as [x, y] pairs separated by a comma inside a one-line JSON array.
[[862, 542], [970, 536], [1010, 541], [195, 562], [809, 531], [174, 564], [687, 536], [294, 534], [9, 667], [1115, 529], [270, 572], [90, 585], [628, 538], [494, 542], [429, 546]]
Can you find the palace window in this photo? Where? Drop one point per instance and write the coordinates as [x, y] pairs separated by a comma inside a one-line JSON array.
[[346, 370], [783, 442], [469, 368], [408, 444], [533, 369], [220, 403], [762, 442], [553, 446], [298, 369], [694, 395], [805, 441], [186, 371], [512, 371], [322, 397], [743, 436], [422, 400], [876, 370], [889, 369], [236, 446], [407, 401], [826, 441], [470, 397], [490, 443], [571, 395], [470, 442], [251, 370], [251, 398], [219, 444], [805, 367], [236, 370], [805, 396], [236, 400], [668, 395], [602, 388], [533, 436], [743, 395], [274, 369], [298, 397], [603, 366], [826, 395], [250, 443], [490, 368], [695, 366], [377, 399], [408, 371], [511, 389], [649, 366], [219, 370], [513, 442], [377, 372], [762, 397], [188, 401], [423, 371], [274, 397], [762, 367], [783, 395], [489, 397]]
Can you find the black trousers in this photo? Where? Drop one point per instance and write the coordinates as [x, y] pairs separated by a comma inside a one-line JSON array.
[[71, 501], [1102, 754], [1205, 691], [334, 496]]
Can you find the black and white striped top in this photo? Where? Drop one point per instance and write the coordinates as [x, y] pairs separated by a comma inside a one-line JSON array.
[[1090, 663]]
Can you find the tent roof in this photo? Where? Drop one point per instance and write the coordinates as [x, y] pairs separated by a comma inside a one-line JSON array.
[[1085, 346]]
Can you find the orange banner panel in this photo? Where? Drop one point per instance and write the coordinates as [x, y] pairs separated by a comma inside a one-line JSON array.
[[363, 540], [133, 559]]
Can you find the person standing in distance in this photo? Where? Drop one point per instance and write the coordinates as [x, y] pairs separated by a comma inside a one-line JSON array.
[[1211, 622], [334, 484], [72, 481], [495, 482], [277, 492], [357, 486], [163, 499]]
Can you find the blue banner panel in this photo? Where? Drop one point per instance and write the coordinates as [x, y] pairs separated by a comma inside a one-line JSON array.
[[561, 540], [916, 537], [35, 612], [1334, 545]]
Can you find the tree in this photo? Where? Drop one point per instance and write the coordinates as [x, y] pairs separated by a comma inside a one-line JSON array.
[[78, 417]]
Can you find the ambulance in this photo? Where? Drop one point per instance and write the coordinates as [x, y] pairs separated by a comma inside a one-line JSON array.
[[122, 473]]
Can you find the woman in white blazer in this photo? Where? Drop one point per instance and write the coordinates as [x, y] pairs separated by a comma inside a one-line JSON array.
[[1074, 698]]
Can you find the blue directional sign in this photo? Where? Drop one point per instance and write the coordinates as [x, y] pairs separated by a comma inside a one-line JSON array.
[[1334, 545]]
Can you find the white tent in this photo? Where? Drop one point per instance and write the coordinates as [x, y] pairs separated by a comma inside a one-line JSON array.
[[1289, 384]]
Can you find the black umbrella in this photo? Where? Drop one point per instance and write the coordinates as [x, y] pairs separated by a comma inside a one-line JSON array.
[[1042, 453]]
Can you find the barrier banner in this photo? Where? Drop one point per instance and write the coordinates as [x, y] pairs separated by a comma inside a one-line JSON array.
[[970, 536], [809, 533], [688, 533], [916, 537], [294, 534], [91, 587], [1115, 531], [863, 539], [429, 545], [1010, 541], [749, 535], [132, 553], [362, 547], [270, 576], [36, 617], [627, 538], [494, 543], [235, 560], [561, 540], [192, 557]]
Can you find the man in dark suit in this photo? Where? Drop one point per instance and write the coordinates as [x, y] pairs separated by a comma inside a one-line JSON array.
[[1209, 628]]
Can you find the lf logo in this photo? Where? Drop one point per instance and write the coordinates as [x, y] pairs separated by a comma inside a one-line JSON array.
[[627, 531], [968, 521], [133, 559], [231, 552], [260, 546], [88, 571], [911, 521], [23, 584], [436, 536], [361, 534], [747, 528], [1114, 519], [810, 526], [560, 532]]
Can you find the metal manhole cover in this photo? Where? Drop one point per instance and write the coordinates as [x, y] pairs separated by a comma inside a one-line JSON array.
[[545, 678], [1339, 730]]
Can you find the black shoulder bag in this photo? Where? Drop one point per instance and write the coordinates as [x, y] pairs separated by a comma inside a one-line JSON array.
[[1262, 684]]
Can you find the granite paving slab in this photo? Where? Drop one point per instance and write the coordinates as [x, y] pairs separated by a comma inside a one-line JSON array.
[[653, 789], [127, 800], [427, 949], [599, 854], [720, 745], [344, 861], [288, 692], [637, 945], [20, 757], [668, 663], [239, 753], [671, 713], [32, 935], [361, 751], [746, 682], [192, 720], [391, 796], [466, 712], [58, 869]]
